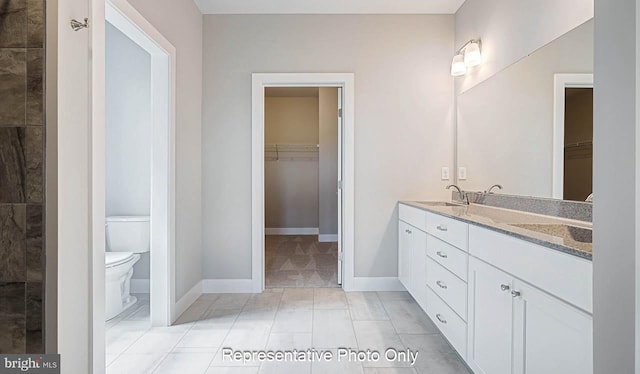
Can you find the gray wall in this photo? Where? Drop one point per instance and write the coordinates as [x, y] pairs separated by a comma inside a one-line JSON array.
[[128, 132], [22, 162], [403, 129], [180, 22], [328, 163], [615, 219]]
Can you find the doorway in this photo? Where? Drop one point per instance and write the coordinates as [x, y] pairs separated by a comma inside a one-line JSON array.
[[302, 158], [578, 144], [153, 282], [573, 137], [264, 152]]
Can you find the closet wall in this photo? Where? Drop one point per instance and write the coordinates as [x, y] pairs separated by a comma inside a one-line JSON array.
[[301, 161], [291, 173]]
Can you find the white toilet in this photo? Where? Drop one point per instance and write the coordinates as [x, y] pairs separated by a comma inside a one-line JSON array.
[[127, 237]]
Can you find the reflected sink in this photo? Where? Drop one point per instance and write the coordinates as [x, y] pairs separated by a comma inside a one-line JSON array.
[[577, 234], [438, 203]]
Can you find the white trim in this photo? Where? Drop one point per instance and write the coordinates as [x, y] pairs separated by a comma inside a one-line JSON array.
[[291, 231], [139, 286], [97, 189], [227, 286], [185, 301], [259, 82], [327, 238], [562, 81], [369, 284]]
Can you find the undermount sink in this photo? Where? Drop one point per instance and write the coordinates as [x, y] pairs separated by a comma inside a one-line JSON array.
[[438, 203], [577, 234]]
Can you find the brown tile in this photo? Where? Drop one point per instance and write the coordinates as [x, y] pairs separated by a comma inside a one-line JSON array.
[[12, 243], [35, 23], [12, 318], [35, 87], [13, 86], [34, 161], [34, 243], [12, 165], [13, 23], [34, 318]]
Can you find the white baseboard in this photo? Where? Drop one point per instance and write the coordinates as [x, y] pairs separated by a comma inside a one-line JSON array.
[[227, 286], [139, 286], [323, 238], [291, 231], [364, 284], [185, 301]]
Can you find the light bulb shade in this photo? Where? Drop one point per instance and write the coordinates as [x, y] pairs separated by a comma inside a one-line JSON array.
[[458, 67], [472, 55]]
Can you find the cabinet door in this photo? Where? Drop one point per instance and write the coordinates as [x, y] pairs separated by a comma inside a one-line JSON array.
[[404, 254], [550, 335], [419, 267], [490, 319]]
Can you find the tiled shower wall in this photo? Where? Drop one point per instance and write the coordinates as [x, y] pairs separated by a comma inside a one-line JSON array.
[[21, 175]]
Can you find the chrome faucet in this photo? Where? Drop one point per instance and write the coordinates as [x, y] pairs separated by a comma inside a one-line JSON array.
[[492, 187], [463, 195]]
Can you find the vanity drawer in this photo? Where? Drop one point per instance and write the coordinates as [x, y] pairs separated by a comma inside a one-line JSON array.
[[449, 323], [450, 230], [449, 287], [413, 216], [448, 256]]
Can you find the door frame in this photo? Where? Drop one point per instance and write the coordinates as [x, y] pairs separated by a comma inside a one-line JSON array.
[[561, 82], [259, 82], [162, 211]]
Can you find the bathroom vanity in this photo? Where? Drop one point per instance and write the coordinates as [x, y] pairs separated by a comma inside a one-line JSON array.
[[510, 290]]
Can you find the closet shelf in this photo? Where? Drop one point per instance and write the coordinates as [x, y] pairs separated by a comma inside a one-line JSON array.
[[291, 152]]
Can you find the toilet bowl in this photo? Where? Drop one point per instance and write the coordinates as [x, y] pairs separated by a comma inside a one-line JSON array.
[[118, 273], [127, 237]]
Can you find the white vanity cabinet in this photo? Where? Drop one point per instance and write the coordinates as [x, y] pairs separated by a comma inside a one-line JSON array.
[[412, 253], [550, 336], [517, 328], [507, 305], [405, 252], [432, 265], [490, 348]]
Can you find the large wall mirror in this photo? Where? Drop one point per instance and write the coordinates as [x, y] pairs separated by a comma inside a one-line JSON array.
[[529, 128]]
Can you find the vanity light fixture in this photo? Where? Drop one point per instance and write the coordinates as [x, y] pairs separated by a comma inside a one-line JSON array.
[[467, 57], [458, 67]]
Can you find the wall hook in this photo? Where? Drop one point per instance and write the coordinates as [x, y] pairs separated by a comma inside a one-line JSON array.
[[77, 25]]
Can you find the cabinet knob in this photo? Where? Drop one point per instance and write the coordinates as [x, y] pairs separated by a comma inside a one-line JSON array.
[[442, 320], [443, 255], [515, 293], [441, 284], [505, 287], [442, 227]]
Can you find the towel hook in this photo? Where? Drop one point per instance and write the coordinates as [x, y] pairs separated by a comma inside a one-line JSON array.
[[77, 25]]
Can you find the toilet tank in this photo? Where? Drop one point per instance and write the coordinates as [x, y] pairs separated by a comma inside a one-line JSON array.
[[128, 234]]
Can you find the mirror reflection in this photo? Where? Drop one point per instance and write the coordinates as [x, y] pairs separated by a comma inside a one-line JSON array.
[[529, 128]]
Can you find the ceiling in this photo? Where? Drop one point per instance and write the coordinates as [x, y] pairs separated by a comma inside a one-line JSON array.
[[291, 92], [329, 6]]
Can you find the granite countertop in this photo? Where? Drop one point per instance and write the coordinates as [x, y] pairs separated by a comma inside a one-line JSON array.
[[565, 235]]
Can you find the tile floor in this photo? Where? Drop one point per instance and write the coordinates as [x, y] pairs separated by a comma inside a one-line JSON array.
[[281, 319], [300, 261]]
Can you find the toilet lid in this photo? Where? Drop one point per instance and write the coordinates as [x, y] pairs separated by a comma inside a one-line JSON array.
[[117, 258]]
